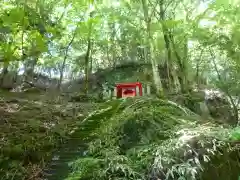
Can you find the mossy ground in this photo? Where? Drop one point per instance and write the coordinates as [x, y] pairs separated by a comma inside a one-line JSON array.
[[136, 138], [32, 126]]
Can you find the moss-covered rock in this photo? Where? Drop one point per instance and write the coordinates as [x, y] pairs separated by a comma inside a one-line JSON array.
[[211, 104]]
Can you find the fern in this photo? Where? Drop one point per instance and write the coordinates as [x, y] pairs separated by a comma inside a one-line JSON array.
[[117, 131], [144, 138]]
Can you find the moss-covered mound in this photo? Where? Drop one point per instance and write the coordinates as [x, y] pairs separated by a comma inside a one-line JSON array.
[[146, 138]]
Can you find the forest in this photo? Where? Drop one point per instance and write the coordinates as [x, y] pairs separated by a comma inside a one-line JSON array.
[[60, 118]]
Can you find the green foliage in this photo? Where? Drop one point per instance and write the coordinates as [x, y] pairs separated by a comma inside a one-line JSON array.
[[143, 138], [235, 135], [133, 138], [85, 98]]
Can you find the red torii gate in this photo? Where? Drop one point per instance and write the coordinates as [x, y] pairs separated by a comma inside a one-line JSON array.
[[128, 89]]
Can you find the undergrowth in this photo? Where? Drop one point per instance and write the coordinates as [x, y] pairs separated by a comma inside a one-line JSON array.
[[134, 138], [30, 131], [145, 138]]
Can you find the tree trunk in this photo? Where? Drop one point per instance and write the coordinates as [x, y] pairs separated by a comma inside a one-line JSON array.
[[113, 35], [65, 59], [87, 56], [86, 70], [29, 69], [156, 74], [4, 72], [168, 63], [182, 67]]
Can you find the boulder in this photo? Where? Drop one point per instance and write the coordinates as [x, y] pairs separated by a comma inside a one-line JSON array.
[[220, 108], [209, 103], [8, 81]]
